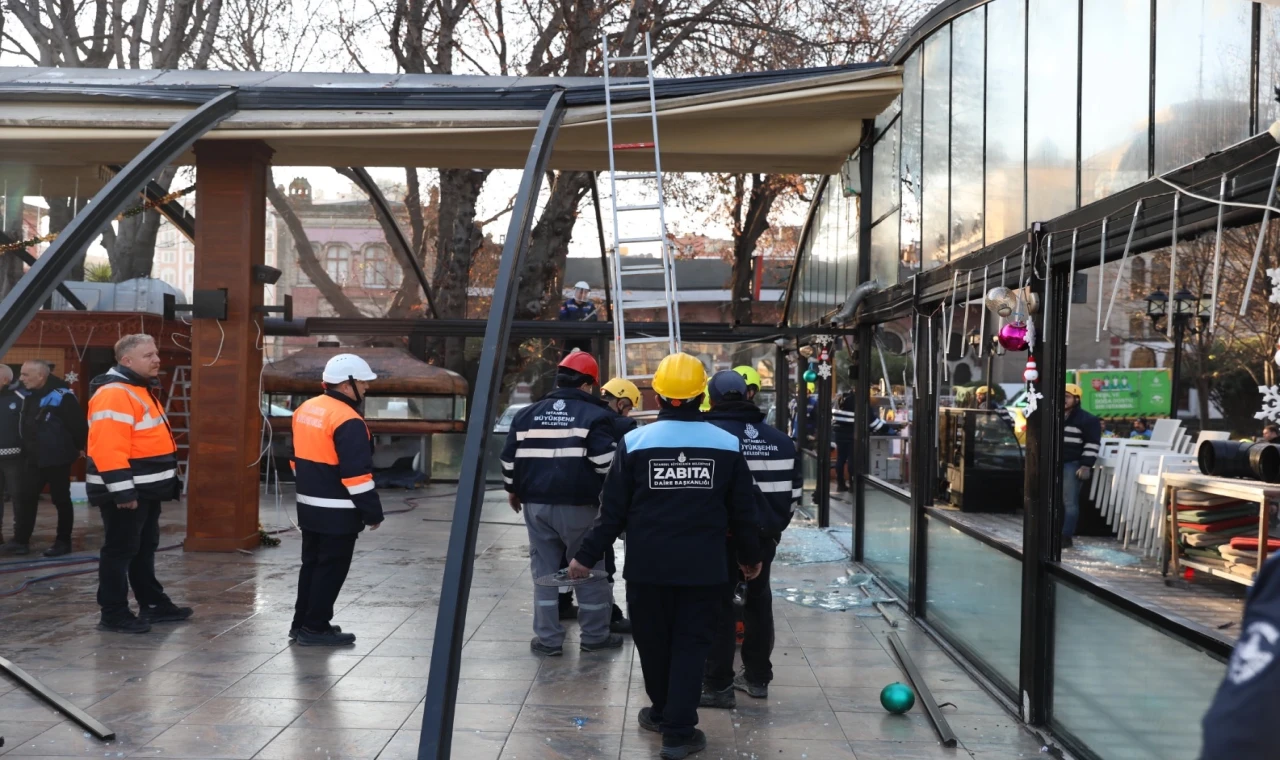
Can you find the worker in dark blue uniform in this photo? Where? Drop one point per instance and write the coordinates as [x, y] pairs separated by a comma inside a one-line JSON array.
[[771, 458], [677, 487], [1238, 725], [553, 465], [1081, 437]]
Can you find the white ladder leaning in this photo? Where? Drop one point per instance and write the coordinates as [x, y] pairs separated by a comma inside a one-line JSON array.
[[177, 409], [622, 271]]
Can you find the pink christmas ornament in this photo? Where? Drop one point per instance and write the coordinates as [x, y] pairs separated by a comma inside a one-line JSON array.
[[1031, 374], [1013, 336]]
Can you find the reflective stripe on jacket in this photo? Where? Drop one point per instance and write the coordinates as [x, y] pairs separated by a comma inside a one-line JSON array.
[[771, 458], [131, 450], [333, 466], [1081, 436], [559, 449]]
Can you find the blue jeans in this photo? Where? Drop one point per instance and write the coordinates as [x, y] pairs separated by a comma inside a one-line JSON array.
[[1070, 498]]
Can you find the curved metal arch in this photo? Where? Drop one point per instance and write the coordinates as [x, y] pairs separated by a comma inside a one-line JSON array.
[[20, 305], [942, 13]]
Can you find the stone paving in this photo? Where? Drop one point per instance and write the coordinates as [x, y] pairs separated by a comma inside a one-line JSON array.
[[228, 684]]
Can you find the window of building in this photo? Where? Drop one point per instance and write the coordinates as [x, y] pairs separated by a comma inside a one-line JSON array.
[[191, 256], [377, 269], [166, 257], [167, 237], [167, 276], [337, 263], [935, 213]]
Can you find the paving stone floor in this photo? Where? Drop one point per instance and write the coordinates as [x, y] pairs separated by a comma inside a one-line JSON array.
[[228, 684]]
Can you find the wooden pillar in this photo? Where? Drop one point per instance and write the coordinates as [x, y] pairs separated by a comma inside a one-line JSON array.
[[222, 494]]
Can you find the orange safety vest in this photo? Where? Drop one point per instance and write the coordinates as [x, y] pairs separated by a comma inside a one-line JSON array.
[[333, 465], [131, 451]]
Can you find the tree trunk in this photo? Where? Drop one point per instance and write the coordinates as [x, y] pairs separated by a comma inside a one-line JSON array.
[[746, 234], [540, 276], [61, 212], [11, 267], [311, 267], [459, 239], [134, 249]]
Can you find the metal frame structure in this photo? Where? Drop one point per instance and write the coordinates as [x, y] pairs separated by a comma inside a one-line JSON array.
[[30, 260], [446, 654]]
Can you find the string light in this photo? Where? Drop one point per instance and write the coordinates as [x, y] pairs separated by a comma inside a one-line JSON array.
[[147, 206]]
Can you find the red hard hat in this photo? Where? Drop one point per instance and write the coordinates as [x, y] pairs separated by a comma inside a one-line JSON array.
[[581, 361]]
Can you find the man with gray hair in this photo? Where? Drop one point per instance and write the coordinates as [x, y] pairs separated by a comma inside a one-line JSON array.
[[10, 444], [53, 438]]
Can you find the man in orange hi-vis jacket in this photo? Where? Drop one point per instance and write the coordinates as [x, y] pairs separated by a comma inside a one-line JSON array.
[[132, 467], [333, 464]]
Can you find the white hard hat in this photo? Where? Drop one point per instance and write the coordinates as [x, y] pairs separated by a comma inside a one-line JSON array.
[[583, 285], [343, 367]]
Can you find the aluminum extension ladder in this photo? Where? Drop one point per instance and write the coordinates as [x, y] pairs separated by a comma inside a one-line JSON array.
[[623, 270], [177, 406]]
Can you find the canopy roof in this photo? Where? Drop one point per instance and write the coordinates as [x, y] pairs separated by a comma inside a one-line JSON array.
[[58, 126], [399, 373]]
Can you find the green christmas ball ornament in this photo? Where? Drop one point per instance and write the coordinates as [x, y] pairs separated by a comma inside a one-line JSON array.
[[809, 375], [897, 698]]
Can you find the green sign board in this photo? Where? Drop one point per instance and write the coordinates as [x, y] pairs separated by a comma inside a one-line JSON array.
[[1126, 392]]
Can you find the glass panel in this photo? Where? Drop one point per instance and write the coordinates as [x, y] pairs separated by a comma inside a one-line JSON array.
[[1123, 688], [1268, 67], [967, 64], [884, 167], [890, 402], [936, 150], [1005, 213], [974, 596], [1202, 78], [1116, 77], [909, 181], [1051, 108], [886, 548], [884, 251], [412, 408], [887, 114]]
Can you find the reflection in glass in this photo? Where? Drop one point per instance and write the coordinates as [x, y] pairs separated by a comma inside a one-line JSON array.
[[1005, 212], [967, 63], [909, 178], [884, 251], [886, 545], [884, 170], [1116, 82], [936, 151], [890, 402], [1202, 78], [1122, 687], [974, 596], [1051, 108]]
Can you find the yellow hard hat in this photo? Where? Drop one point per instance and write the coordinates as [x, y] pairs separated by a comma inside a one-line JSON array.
[[750, 375], [812, 387], [620, 387], [679, 377], [1075, 390]]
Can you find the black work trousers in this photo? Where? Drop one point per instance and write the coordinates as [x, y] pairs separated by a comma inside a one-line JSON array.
[[11, 471], [326, 559], [671, 626], [34, 479], [128, 558], [757, 639], [843, 450]]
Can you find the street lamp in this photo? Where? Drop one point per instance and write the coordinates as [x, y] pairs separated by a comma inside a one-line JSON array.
[[1190, 314]]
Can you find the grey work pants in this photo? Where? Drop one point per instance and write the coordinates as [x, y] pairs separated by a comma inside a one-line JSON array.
[[555, 531]]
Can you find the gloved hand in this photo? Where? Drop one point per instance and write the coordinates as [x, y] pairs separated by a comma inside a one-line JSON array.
[[1084, 473]]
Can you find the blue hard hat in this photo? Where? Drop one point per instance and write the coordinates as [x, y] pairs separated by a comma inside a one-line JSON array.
[[724, 383]]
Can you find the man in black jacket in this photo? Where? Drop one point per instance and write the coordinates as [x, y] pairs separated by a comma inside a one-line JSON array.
[[10, 444], [1081, 437], [54, 435], [677, 487], [557, 453], [771, 458]]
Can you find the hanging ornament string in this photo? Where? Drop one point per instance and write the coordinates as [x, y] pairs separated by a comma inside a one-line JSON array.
[[1071, 286], [1102, 272], [1217, 256], [80, 352], [949, 320], [932, 358], [1173, 266], [147, 206], [982, 320], [1124, 257], [964, 330]]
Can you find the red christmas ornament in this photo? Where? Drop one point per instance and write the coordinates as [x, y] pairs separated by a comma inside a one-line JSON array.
[[1031, 374]]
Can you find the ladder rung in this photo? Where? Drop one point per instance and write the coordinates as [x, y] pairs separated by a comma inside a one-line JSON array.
[[620, 178], [659, 303], [645, 207], [657, 269], [625, 241], [632, 146], [629, 86], [627, 58], [641, 115], [638, 341]]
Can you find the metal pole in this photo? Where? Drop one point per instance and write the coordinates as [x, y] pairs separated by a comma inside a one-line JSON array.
[[1179, 332], [20, 306], [604, 249], [822, 443], [446, 654]]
